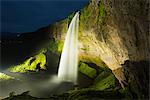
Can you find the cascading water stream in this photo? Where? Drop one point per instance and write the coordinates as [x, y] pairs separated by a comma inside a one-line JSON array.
[[68, 66]]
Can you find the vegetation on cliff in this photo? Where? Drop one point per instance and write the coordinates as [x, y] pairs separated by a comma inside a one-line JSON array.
[[30, 64], [110, 34]]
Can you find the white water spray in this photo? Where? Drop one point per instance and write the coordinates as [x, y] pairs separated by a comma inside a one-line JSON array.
[[68, 66]]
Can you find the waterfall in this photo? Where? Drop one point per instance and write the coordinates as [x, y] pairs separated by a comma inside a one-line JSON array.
[[68, 66]]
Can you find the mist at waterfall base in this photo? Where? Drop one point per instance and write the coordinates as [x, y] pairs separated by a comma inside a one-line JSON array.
[[67, 72], [36, 87]]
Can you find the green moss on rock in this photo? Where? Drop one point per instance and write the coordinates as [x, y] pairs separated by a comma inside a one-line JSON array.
[[70, 17], [104, 81], [60, 45], [26, 66], [89, 94], [52, 46], [85, 69], [55, 46], [5, 77]]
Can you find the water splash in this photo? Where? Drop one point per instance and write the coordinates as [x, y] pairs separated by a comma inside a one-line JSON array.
[[68, 67]]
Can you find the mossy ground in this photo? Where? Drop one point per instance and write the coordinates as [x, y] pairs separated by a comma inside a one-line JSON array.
[[5, 77], [81, 94]]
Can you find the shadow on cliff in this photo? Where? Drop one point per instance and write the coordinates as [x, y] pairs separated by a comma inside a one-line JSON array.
[[137, 74]]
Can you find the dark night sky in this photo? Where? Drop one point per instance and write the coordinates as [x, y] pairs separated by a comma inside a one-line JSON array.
[[29, 15]]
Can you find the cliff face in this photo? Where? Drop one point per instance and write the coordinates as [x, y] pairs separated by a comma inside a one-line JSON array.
[[127, 28], [111, 33], [114, 31]]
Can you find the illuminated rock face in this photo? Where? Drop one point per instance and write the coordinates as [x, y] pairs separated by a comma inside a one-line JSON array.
[[121, 36], [111, 31], [68, 67], [113, 34], [96, 39]]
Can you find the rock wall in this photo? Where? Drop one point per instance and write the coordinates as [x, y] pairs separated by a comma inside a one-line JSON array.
[[112, 30], [111, 33]]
